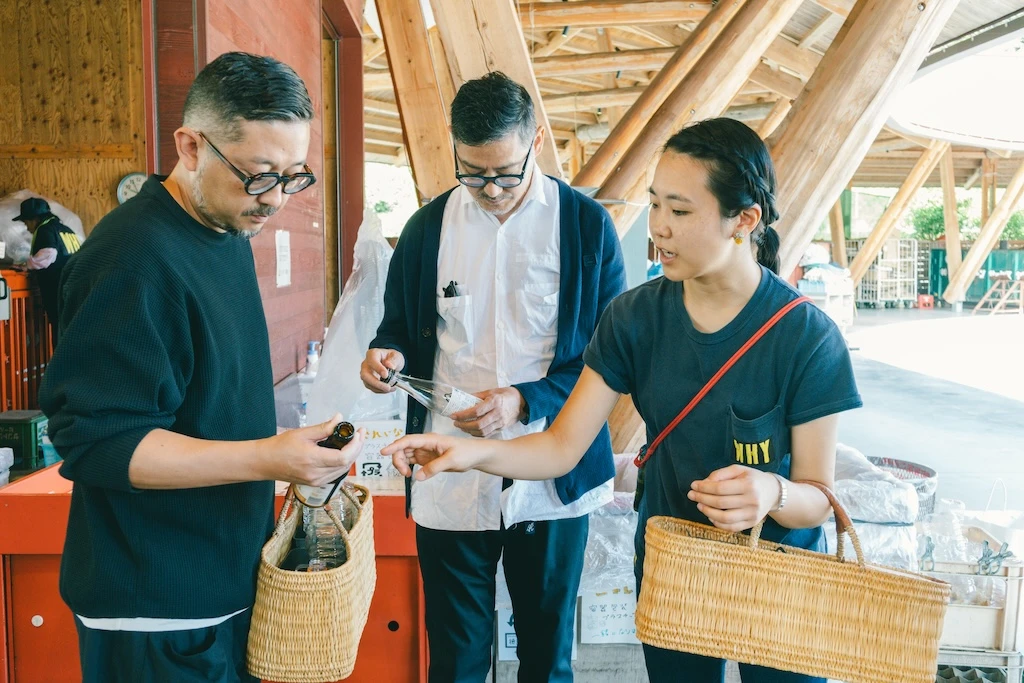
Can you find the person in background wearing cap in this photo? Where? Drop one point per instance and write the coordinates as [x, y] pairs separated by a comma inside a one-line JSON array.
[[53, 243]]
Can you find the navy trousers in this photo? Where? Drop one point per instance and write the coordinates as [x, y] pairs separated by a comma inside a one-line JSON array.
[[542, 562]]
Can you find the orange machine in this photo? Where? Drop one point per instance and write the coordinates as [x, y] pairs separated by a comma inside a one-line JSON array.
[[38, 643]]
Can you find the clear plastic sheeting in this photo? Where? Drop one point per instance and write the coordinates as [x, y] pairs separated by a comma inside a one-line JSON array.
[[883, 544], [14, 233], [608, 559], [882, 507], [337, 387], [870, 494]]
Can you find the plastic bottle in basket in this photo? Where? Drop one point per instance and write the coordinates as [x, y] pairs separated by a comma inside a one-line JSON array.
[[437, 397], [323, 540]]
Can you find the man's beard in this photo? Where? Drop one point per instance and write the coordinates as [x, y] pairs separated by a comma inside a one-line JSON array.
[[495, 208], [199, 202]]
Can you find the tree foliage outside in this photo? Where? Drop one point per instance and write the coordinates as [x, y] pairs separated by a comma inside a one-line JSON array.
[[929, 222]]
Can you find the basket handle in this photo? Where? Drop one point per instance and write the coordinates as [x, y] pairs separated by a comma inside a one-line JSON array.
[[844, 525], [291, 502]]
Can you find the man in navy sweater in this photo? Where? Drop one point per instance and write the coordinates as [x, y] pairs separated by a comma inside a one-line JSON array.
[[496, 287], [161, 396]]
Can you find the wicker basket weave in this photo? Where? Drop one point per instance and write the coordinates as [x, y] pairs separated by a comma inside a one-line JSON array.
[[718, 594], [306, 625]]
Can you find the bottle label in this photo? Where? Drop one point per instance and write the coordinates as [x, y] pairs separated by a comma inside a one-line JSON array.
[[458, 401]]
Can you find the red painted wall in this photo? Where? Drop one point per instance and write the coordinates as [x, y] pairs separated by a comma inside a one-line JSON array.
[[288, 30]]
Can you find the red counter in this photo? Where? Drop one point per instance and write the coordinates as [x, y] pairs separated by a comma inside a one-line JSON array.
[[38, 643]]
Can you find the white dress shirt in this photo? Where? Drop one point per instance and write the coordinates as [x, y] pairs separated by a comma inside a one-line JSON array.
[[500, 330]]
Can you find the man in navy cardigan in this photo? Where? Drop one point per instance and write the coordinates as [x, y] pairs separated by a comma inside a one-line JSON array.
[[496, 287]]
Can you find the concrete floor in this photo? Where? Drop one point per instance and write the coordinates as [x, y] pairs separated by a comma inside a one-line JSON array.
[[945, 391]]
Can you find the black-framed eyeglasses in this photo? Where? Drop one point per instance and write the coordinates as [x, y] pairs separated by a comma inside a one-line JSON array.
[[505, 180], [261, 183]]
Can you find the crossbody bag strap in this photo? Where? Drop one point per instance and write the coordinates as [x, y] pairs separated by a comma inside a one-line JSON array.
[[643, 456]]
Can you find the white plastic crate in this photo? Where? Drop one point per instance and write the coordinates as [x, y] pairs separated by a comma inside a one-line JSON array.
[[981, 627]]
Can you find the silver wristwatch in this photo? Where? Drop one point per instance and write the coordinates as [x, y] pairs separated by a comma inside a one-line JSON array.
[[783, 492]]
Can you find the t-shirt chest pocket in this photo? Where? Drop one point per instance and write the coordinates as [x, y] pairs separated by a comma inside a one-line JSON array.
[[760, 443]]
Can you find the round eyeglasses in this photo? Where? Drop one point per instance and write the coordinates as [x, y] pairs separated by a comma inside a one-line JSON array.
[[261, 183]]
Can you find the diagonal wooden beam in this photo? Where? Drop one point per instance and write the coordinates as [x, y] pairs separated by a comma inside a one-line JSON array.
[[827, 23], [559, 40], [973, 178], [897, 207], [372, 49], [954, 250], [775, 117], [777, 81], [823, 140], [481, 36], [599, 13], [419, 101], [837, 228], [987, 239], [683, 60], [708, 88]]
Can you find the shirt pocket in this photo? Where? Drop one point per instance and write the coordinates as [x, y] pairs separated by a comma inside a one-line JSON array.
[[537, 310], [758, 443], [455, 329]]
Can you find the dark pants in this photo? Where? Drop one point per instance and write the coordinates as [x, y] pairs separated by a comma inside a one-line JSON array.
[[667, 666], [542, 561], [204, 655]]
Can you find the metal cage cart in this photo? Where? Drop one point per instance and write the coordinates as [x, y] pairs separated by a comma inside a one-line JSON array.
[[892, 280]]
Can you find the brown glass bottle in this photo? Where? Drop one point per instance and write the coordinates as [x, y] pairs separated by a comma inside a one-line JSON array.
[[317, 496], [340, 437]]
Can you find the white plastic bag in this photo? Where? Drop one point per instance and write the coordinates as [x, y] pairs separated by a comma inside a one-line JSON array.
[[14, 233], [337, 387]]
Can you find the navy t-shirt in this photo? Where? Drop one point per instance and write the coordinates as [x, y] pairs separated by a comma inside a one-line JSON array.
[[646, 346]]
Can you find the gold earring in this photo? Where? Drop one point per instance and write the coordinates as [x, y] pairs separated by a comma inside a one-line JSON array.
[[738, 238]]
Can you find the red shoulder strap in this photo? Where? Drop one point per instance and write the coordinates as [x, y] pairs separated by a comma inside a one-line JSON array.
[[641, 458]]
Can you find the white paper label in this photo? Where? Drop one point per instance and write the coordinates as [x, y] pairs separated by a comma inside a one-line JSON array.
[[284, 258], [609, 617], [370, 462], [459, 401]]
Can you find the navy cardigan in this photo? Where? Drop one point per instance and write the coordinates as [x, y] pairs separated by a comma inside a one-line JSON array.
[[592, 274]]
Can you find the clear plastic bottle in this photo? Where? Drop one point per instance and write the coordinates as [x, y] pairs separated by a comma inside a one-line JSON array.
[[324, 541], [437, 397]]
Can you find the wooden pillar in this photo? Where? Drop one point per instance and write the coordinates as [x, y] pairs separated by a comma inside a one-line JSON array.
[[481, 36], [418, 96], [954, 251], [707, 88], [601, 165], [987, 239], [887, 223], [986, 190], [444, 76], [775, 117], [604, 42], [819, 146], [626, 426], [838, 229]]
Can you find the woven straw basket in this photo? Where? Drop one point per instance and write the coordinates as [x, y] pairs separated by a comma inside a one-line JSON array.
[[718, 594], [306, 625]]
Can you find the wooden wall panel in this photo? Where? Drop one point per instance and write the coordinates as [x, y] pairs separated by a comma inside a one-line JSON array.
[[332, 232], [72, 119], [288, 30]]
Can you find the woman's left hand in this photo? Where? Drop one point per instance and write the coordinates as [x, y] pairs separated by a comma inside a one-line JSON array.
[[735, 498]]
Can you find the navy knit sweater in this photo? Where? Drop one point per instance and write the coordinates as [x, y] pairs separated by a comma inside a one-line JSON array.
[[162, 327]]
